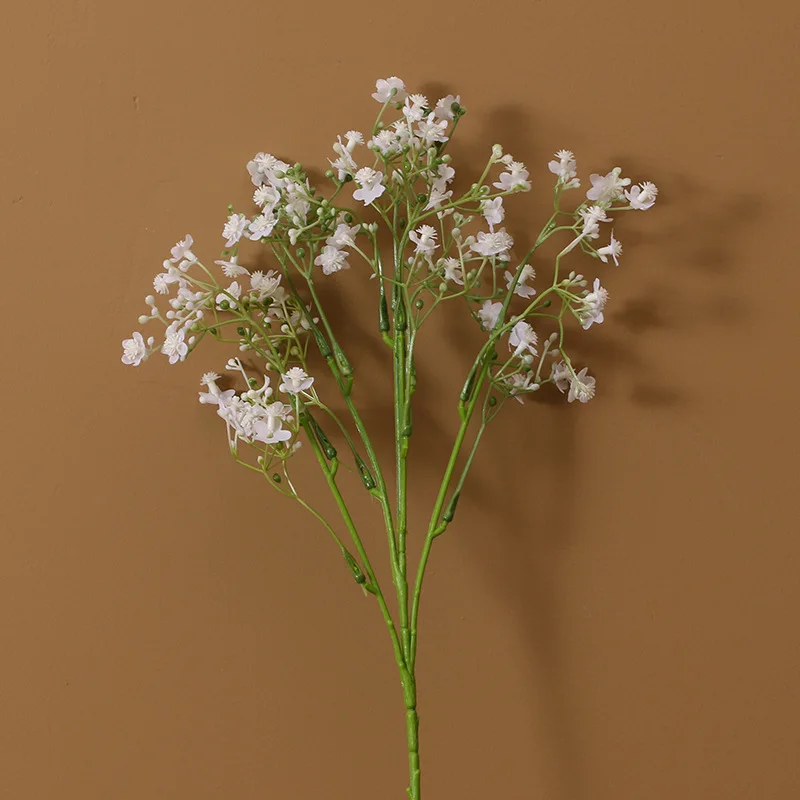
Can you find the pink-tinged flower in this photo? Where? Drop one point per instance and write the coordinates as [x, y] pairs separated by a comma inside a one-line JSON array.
[[522, 338], [643, 196], [174, 347], [607, 188], [183, 251], [134, 350], [371, 185], [494, 244], [522, 289], [493, 211], [389, 89], [233, 229], [581, 387], [424, 238], [613, 249], [489, 314], [566, 169], [296, 380]]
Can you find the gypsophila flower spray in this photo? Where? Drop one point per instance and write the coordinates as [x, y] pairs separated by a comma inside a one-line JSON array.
[[390, 192]]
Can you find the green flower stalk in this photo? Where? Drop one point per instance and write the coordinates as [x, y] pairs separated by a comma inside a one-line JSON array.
[[391, 211]]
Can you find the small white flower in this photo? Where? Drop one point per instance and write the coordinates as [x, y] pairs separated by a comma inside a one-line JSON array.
[[519, 384], [522, 289], [269, 428], [389, 89], [385, 141], [489, 313], [263, 169], [522, 338], [235, 290], [453, 271], [265, 285], [445, 174], [613, 249], [343, 236], [214, 396], [414, 108], [232, 268], [332, 259], [437, 197], [566, 169], [234, 228], [593, 305], [371, 185], [592, 217], [581, 387], [261, 227], [496, 243], [134, 350], [493, 211], [561, 375], [425, 239], [266, 197], [515, 179], [444, 107], [174, 345], [430, 131], [643, 196], [606, 188], [183, 251], [296, 380]]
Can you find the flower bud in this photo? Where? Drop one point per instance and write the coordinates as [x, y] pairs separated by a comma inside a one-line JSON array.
[[144, 318], [497, 152]]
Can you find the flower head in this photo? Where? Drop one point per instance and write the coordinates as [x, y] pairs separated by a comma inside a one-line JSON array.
[[613, 249], [453, 271], [581, 387], [332, 259], [566, 169], [444, 107], [424, 238], [134, 350], [232, 268], [175, 347], [522, 338], [388, 89], [643, 196], [495, 243], [493, 211], [296, 380], [489, 313], [606, 188], [233, 229], [522, 289], [593, 305], [183, 251], [515, 179], [371, 185]]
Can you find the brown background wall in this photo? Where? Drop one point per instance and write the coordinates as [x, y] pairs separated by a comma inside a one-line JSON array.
[[614, 615]]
